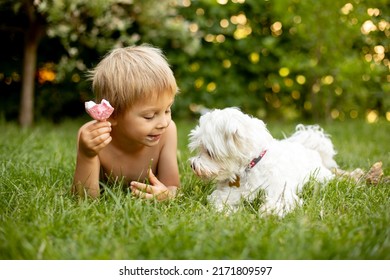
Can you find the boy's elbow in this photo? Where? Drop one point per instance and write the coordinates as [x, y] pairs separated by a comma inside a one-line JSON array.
[[82, 191]]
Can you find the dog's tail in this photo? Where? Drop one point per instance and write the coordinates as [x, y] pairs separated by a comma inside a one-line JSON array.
[[313, 137]]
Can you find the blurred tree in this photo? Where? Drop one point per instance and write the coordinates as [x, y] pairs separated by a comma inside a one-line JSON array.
[[285, 59], [83, 31], [326, 55], [33, 26], [290, 58]]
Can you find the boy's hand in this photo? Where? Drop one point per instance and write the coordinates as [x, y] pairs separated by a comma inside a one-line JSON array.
[[93, 137], [155, 189]]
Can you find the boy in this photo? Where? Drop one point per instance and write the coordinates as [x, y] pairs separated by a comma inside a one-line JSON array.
[[139, 139]]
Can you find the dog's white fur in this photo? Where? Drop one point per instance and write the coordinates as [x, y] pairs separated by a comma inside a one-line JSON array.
[[227, 140]]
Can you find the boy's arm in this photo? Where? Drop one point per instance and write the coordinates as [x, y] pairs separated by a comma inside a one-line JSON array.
[[86, 177], [92, 137], [165, 187], [168, 170]]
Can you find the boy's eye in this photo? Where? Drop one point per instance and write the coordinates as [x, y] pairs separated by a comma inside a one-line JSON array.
[[149, 117]]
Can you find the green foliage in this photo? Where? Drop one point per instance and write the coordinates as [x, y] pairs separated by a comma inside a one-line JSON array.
[[39, 219], [79, 33], [290, 59], [285, 59]]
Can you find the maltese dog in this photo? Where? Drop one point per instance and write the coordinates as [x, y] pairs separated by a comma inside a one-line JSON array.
[[238, 152]]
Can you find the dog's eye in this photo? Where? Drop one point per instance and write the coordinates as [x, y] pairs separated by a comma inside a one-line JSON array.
[[209, 154]]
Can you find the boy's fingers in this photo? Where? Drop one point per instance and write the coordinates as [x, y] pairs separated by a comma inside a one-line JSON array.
[[147, 191], [142, 194], [153, 179], [142, 187]]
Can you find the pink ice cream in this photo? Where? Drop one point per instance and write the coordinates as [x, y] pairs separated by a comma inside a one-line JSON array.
[[100, 112]]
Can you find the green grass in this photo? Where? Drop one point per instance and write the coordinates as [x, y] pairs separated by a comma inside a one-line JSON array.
[[39, 219]]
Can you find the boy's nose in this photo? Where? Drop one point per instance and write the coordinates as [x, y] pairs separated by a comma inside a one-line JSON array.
[[164, 121]]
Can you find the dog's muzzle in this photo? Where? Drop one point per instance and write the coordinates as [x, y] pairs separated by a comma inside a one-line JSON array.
[[196, 168]]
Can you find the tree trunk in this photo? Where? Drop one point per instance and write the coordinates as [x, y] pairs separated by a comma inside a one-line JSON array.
[[33, 35], [26, 113]]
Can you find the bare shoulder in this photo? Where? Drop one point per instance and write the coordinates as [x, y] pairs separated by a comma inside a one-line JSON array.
[[170, 135], [172, 129], [171, 132]]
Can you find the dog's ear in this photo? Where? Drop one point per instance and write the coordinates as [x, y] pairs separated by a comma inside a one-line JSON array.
[[248, 134], [235, 135]]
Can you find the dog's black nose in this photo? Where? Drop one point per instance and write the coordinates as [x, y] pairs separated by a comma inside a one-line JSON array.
[[193, 165]]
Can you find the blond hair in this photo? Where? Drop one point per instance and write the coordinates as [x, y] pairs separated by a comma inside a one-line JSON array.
[[128, 75]]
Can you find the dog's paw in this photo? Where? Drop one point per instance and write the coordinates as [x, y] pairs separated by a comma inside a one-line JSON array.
[[224, 208], [268, 210], [279, 208]]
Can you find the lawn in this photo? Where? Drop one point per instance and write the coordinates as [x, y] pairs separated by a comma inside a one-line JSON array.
[[41, 220]]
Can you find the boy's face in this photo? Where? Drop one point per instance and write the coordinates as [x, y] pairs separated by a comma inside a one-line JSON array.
[[145, 121]]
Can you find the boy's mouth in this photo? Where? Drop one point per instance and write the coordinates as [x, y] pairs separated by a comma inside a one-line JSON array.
[[154, 137]]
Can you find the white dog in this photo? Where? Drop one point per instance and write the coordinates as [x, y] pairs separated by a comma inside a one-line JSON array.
[[239, 153]]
